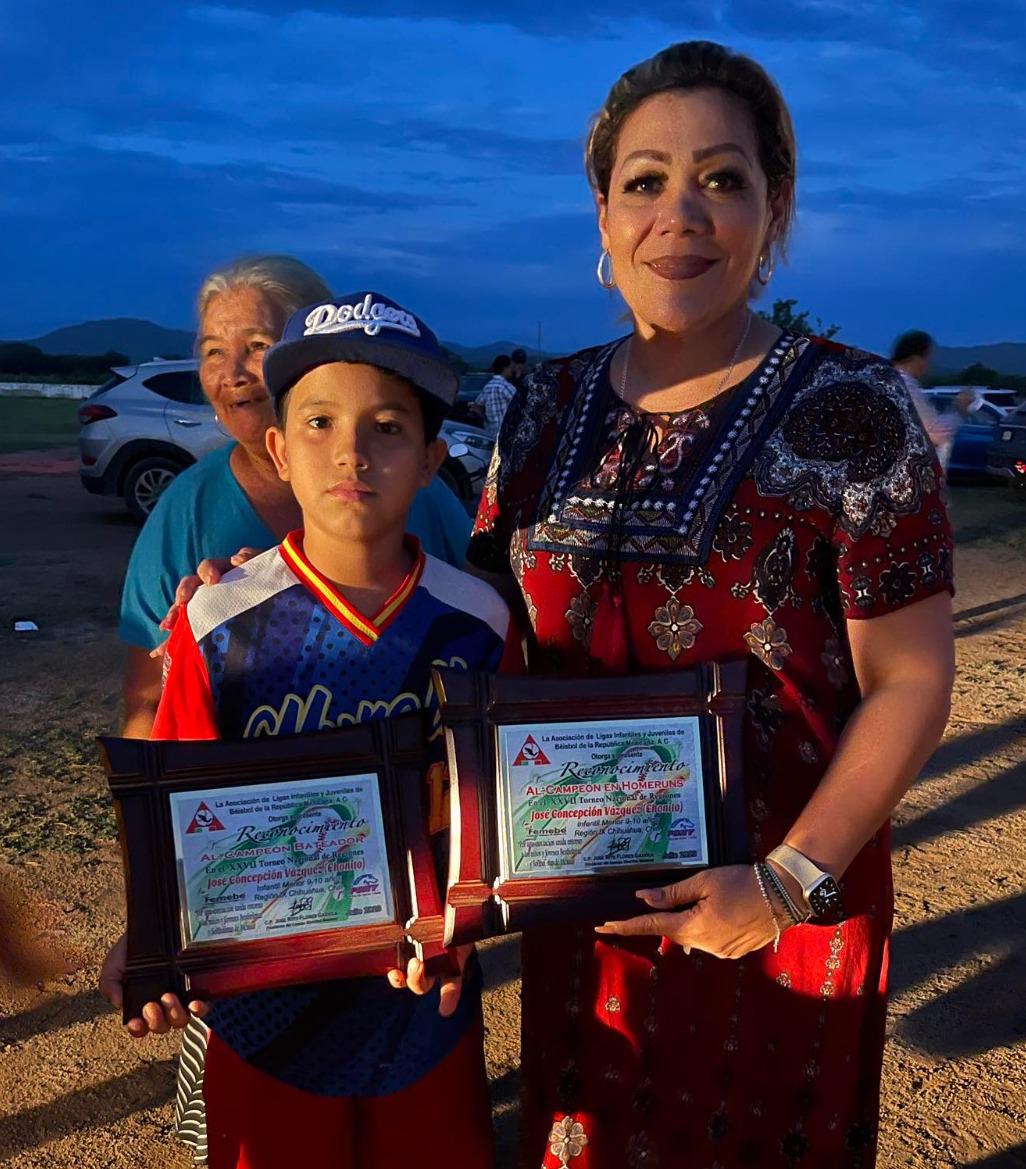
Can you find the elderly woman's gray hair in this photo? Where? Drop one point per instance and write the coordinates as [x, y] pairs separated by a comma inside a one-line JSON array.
[[284, 280]]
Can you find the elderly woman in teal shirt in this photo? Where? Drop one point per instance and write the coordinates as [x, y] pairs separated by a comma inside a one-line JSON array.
[[233, 498]]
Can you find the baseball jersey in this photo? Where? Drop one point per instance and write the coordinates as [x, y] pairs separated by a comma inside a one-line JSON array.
[[275, 649], [205, 512]]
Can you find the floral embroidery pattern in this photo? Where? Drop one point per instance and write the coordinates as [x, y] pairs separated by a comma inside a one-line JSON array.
[[765, 714], [660, 464], [768, 643], [581, 616], [567, 1139], [898, 584], [733, 538], [774, 569], [835, 662], [675, 628], [675, 500], [852, 445]]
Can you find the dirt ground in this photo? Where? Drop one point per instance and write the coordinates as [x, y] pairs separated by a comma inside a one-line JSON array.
[[74, 1091]]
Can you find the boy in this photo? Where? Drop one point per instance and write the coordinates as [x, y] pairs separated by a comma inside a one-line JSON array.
[[339, 624]]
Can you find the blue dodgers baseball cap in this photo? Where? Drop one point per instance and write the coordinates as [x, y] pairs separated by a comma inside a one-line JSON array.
[[364, 327]]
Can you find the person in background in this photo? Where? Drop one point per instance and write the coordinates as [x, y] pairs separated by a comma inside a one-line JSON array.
[[518, 358], [233, 498], [911, 357], [497, 394]]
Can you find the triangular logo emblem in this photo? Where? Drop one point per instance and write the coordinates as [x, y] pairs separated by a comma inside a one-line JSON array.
[[204, 820], [530, 752]]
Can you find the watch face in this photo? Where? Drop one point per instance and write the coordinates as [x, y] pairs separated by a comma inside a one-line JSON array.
[[825, 898]]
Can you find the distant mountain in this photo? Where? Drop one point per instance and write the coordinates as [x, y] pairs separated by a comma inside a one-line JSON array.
[[481, 356], [138, 340], [1006, 357]]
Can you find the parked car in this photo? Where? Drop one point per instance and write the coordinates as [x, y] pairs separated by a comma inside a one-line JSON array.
[[1003, 400], [1006, 456], [150, 421], [968, 458], [141, 428]]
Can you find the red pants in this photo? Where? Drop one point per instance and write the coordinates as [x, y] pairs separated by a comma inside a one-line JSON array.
[[441, 1122]]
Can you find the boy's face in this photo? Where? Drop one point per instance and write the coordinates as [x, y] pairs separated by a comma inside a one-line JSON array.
[[353, 449]]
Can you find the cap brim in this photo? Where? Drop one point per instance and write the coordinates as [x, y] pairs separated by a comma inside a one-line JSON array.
[[286, 362]]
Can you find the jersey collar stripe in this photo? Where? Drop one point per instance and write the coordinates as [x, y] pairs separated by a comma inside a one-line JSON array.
[[365, 630], [335, 604], [392, 607]]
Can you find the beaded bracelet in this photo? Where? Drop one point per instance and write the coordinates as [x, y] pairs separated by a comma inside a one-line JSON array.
[[785, 898], [758, 867]]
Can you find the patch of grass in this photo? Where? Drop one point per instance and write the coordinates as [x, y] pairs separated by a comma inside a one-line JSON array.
[[31, 424], [76, 826], [53, 792]]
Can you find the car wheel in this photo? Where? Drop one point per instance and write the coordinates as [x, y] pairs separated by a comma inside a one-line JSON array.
[[146, 483]]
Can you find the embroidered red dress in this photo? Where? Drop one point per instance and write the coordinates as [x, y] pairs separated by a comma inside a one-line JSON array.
[[805, 497]]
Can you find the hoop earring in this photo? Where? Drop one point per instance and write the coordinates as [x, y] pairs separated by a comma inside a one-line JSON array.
[[604, 271], [764, 277]]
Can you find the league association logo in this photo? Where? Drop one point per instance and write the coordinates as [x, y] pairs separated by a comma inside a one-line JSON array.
[[530, 752], [204, 820], [368, 883], [682, 829]]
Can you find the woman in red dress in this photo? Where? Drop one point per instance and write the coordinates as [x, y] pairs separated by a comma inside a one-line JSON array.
[[710, 489]]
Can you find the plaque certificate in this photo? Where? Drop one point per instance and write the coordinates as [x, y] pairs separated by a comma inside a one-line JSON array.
[[275, 859], [569, 795], [580, 798]]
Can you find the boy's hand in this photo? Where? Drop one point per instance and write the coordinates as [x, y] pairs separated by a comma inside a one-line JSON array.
[[157, 1017], [209, 572], [419, 981]]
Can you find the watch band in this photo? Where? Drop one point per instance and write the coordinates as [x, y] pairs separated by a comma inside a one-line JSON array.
[[799, 866]]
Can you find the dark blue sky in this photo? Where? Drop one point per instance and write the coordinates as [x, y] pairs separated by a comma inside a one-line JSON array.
[[432, 149]]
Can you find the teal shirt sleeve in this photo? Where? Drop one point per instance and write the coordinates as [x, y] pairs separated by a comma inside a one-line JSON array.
[[203, 513], [441, 523]]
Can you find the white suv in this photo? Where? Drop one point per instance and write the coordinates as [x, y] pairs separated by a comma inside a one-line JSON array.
[[151, 421]]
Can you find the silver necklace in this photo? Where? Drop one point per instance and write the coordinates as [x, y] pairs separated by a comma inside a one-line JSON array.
[[724, 382]]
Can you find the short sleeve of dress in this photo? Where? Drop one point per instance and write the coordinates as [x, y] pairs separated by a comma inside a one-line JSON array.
[[906, 556], [852, 444]]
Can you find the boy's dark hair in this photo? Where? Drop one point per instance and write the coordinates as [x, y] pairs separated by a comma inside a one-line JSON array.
[[519, 356], [432, 412], [914, 343], [500, 362]]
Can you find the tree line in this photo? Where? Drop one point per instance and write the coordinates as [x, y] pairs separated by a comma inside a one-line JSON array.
[[20, 362]]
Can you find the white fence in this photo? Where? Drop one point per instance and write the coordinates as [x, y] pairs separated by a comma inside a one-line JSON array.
[[42, 390]]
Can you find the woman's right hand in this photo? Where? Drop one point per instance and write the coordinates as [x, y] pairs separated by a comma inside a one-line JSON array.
[[157, 1018], [209, 572]]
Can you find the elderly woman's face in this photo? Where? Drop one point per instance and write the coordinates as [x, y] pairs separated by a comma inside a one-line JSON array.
[[237, 329], [687, 212]]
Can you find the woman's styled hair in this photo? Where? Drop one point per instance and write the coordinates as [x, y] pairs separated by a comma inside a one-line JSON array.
[[284, 280], [702, 65]]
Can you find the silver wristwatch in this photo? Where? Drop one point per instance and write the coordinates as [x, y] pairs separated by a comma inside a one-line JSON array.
[[821, 892]]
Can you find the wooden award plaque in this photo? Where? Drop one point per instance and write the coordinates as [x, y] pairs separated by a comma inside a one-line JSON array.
[[273, 861], [569, 795]]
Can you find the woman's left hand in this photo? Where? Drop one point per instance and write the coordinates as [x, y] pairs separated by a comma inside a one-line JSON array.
[[724, 915]]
